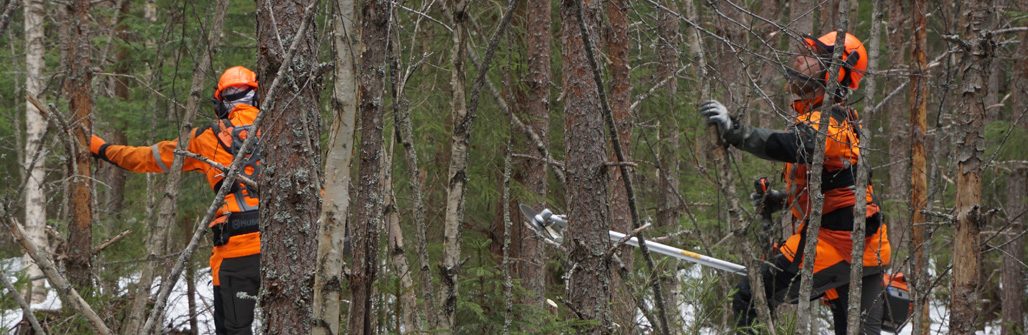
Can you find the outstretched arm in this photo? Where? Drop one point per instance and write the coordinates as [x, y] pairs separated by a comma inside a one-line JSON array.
[[795, 144], [156, 158]]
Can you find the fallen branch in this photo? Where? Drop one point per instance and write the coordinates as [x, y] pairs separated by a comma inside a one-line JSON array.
[[60, 284]]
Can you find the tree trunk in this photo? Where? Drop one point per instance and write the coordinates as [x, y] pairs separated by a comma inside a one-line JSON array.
[[970, 143], [588, 287], [918, 168], [531, 267], [623, 311], [853, 317], [369, 203], [328, 280], [1013, 268], [669, 40], [77, 86], [408, 311], [33, 159], [290, 180], [898, 193]]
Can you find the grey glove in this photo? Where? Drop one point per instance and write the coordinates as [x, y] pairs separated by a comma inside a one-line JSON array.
[[716, 113]]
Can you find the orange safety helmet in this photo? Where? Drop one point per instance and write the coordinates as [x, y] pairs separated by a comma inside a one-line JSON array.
[[854, 58], [237, 75]]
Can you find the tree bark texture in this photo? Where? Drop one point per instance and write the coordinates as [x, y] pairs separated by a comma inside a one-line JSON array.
[[921, 323], [531, 261], [291, 169], [457, 178], [368, 208], [970, 146], [853, 317], [669, 42], [623, 311], [77, 87], [407, 311], [1013, 256], [33, 159], [588, 282], [898, 192], [328, 279]]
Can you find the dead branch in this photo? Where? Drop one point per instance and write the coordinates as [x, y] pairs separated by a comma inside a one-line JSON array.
[[60, 284], [26, 309], [113, 240], [250, 183]]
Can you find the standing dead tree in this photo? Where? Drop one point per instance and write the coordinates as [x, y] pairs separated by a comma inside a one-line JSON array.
[[375, 21], [77, 86], [979, 49]]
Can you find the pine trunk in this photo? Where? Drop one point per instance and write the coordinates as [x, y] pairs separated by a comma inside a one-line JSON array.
[[588, 287], [328, 280], [667, 184], [290, 180], [918, 168], [78, 88], [531, 267], [1013, 268], [898, 193], [965, 293], [33, 159]]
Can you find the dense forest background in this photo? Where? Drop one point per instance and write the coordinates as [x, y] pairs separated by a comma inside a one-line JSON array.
[[424, 153]]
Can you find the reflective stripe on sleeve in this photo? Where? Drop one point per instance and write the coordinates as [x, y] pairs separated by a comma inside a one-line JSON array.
[[157, 158]]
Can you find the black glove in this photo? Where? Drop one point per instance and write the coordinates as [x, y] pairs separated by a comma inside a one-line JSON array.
[[772, 200]]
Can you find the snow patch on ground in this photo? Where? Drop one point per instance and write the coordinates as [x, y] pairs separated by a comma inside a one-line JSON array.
[[176, 314]]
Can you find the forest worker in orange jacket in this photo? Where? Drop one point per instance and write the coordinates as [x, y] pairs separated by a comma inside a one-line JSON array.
[[235, 264], [795, 147]]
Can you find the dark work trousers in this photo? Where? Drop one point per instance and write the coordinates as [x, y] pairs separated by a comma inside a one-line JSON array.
[[234, 314], [782, 284]]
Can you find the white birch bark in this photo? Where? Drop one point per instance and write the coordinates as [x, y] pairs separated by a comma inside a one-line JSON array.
[[35, 126], [328, 277]]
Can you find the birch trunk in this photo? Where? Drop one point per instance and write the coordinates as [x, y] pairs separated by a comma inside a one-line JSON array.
[[291, 167], [408, 300], [77, 86], [33, 159], [457, 174], [328, 280], [970, 144]]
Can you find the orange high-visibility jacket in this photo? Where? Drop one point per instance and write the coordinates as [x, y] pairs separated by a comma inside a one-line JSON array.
[[795, 147], [204, 142]]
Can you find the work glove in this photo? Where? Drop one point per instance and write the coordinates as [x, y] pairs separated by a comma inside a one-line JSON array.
[[772, 200], [716, 113], [95, 144]]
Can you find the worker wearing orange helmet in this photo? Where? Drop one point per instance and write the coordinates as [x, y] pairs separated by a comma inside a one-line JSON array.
[[235, 263], [807, 78]]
